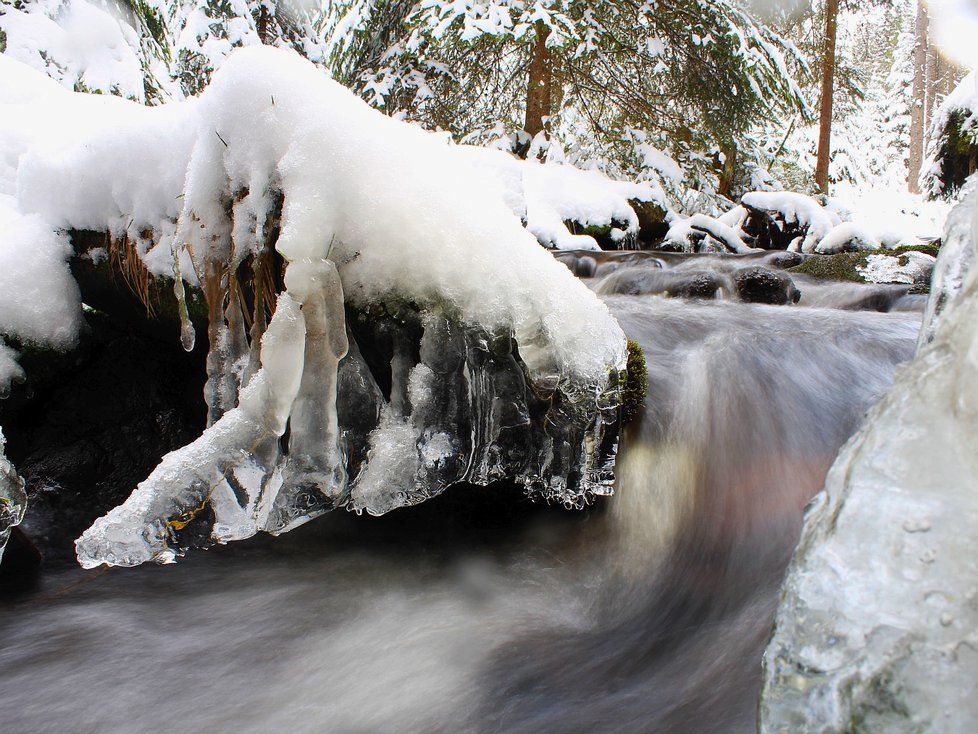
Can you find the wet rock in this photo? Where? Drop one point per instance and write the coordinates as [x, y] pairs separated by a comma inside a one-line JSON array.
[[784, 260], [697, 285], [757, 284], [652, 224], [643, 280], [583, 266], [89, 425]]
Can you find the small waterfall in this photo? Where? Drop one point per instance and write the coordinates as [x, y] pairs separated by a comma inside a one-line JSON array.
[[747, 408]]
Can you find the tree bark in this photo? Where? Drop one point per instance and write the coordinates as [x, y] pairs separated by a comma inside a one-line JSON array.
[[918, 102], [935, 84], [828, 89], [729, 168], [539, 86]]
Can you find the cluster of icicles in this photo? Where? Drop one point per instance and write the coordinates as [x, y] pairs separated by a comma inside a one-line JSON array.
[[461, 406]]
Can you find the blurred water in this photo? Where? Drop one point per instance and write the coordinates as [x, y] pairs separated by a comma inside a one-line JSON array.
[[482, 613]]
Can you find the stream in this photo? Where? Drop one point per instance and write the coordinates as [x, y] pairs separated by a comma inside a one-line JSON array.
[[482, 612]]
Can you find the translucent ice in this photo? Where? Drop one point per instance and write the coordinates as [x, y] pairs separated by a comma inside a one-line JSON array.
[[13, 499]]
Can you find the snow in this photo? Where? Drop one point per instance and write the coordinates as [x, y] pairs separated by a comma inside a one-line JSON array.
[[557, 193], [721, 232], [796, 209], [260, 125], [847, 236], [548, 195], [77, 43], [876, 626], [909, 267], [10, 371]]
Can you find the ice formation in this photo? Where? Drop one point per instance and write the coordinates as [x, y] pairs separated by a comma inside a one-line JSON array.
[[876, 629], [424, 337], [955, 261], [13, 499]]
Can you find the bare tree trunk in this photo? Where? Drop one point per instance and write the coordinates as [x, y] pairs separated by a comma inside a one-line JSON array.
[[935, 83], [729, 168], [828, 90], [539, 86], [918, 101], [261, 24]]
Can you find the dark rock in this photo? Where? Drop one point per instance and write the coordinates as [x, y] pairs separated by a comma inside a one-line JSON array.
[[21, 563], [769, 230], [784, 260], [652, 224], [757, 284], [697, 285], [87, 426]]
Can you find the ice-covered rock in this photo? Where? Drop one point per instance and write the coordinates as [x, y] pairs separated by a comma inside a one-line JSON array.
[[472, 355], [955, 260], [908, 267], [13, 499], [877, 628]]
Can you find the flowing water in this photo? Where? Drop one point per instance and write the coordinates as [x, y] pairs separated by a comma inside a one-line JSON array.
[[478, 612]]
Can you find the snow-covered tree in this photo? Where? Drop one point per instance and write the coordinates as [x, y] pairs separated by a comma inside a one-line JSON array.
[[690, 77]]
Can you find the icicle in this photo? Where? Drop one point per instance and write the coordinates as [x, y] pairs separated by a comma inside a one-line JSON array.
[[188, 336], [212, 487], [220, 391], [315, 472]]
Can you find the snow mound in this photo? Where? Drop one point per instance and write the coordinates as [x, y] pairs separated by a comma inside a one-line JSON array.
[[798, 210], [77, 43], [552, 195], [876, 626]]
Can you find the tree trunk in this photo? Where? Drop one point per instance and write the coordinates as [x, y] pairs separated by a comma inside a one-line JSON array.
[[261, 25], [540, 83], [918, 102], [828, 89], [728, 169], [935, 84]]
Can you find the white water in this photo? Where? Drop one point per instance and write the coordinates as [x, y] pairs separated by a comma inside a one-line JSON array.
[[464, 614]]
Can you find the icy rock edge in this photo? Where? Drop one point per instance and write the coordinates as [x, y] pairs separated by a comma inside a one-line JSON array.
[[423, 338], [877, 628], [13, 499]]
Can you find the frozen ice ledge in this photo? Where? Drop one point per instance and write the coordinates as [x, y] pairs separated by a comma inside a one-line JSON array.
[[380, 325]]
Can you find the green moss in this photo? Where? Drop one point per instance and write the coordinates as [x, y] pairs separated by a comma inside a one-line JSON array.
[[933, 249], [840, 267], [635, 385]]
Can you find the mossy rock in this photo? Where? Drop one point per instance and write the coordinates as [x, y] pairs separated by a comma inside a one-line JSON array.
[[636, 383], [932, 248], [840, 267]]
